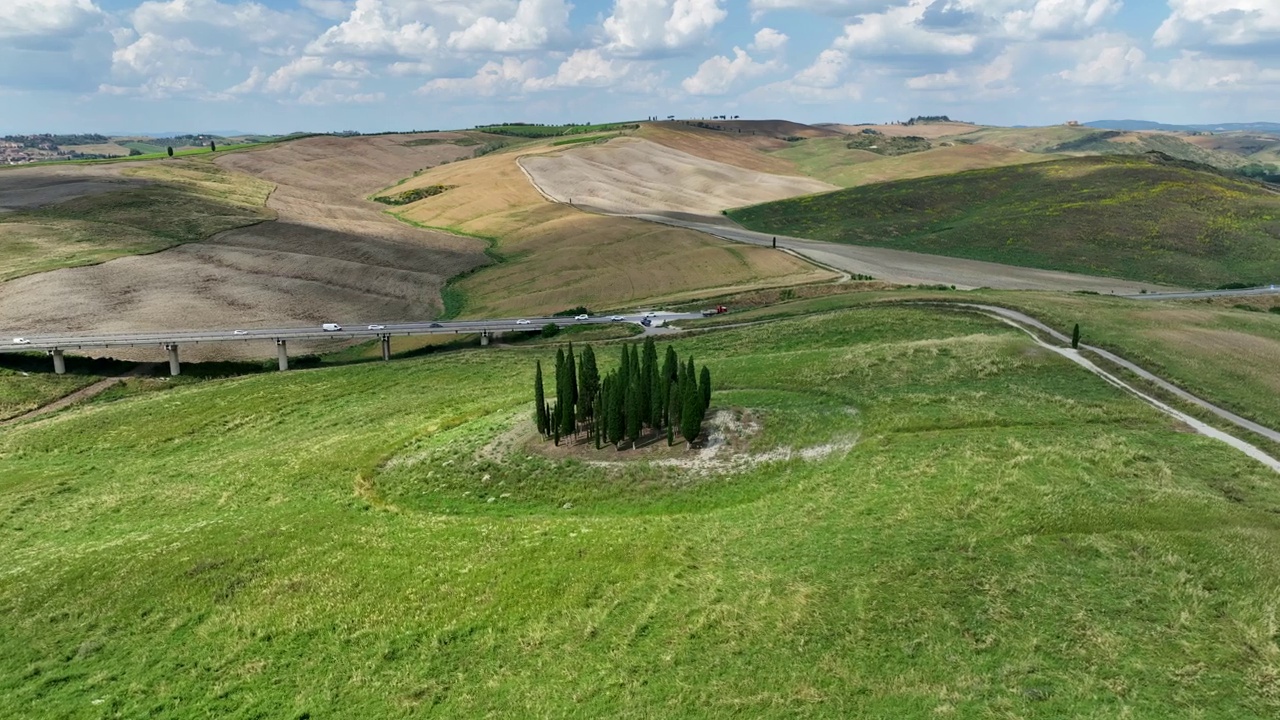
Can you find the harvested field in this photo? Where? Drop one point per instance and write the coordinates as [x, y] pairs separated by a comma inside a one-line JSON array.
[[331, 255], [558, 257], [745, 151], [25, 188], [630, 175]]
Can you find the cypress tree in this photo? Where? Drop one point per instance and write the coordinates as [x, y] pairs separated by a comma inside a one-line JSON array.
[[555, 418], [633, 408], [557, 429], [671, 401], [691, 413], [648, 371], [669, 366], [573, 379], [658, 398], [590, 380], [539, 400], [595, 425], [1075, 337], [667, 377], [704, 385]]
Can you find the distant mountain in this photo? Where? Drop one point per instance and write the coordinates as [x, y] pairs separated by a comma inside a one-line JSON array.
[[1263, 127]]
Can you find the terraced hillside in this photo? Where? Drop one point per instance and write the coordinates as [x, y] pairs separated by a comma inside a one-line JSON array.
[[940, 516], [1141, 218]]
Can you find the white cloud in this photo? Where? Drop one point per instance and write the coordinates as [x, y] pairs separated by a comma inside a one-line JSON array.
[[1197, 72], [1112, 66], [769, 40], [335, 92], [377, 30], [507, 78], [287, 78], [899, 32], [839, 8], [827, 71], [47, 24], [949, 80], [657, 27], [988, 80], [586, 68], [535, 25], [719, 74], [1220, 23], [1058, 18]]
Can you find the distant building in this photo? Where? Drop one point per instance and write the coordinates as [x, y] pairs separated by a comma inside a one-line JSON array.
[[1073, 123]]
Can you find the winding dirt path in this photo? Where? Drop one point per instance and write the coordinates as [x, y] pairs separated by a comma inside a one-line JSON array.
[[82, 394]]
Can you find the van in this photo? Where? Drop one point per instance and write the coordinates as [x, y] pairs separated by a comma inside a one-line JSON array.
[[331, 327]]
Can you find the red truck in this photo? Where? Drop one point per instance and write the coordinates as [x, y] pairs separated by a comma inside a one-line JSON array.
[[714, 311]]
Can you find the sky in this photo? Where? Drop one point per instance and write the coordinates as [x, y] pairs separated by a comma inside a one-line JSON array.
[[278, 66]]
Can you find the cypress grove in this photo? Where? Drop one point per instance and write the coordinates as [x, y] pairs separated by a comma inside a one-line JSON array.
[[637, 399]]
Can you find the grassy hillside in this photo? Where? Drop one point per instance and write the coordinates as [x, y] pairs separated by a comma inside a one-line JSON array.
[[1008, 536], [1138, 218], [188, 200]]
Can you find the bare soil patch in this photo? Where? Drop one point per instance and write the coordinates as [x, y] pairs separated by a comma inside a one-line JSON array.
[[559, 257], [331, 255], [24, 188], [631, 175]]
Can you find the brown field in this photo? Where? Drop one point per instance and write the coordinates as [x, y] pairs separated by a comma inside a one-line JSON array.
[[330, 255], [24, 188], [631, 175], [558, 257], [113, 149], [1236, 143], [929, 131], [761, 128], [744, 151], [938, 161]]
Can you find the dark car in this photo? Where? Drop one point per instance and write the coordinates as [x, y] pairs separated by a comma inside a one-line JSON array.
[[646, 322]]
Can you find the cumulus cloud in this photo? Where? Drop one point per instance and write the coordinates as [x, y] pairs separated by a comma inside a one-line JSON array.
[[1196, 72], [983, 80], [506, 79], [536, 24], [1112, 66], [649, 28], [328, 9], [47, 24], [719, 74], [838, 8], [827, 71], [377, 30], [334, 92], [1220, 23], [1058, 18], [898, 32], [769, 40]]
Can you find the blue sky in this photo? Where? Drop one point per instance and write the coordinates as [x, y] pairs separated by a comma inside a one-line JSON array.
[[369, 65]]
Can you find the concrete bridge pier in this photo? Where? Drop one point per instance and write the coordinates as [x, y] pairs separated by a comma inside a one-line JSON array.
[[282, 352], [174, 367], [59, 362], [484, 338], [386, 347]]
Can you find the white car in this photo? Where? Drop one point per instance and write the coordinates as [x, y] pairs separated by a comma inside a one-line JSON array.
[[651, 314], [21, 341], [330, 327], [617, 318], [377, 327], [522, 322], [239, 332], [583, 316]]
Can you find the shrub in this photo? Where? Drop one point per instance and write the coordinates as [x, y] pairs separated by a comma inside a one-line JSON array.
[[550, 330]]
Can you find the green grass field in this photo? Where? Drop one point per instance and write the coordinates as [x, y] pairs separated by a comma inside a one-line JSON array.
[[1009, 537], [831, 160], [190, 200], [1135, 218]]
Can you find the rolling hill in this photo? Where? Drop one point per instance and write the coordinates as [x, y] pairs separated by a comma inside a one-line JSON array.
[[1143, 218]]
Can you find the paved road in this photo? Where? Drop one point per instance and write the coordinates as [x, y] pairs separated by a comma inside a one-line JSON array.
[[1264, 290], [349, 331], [911, 268]]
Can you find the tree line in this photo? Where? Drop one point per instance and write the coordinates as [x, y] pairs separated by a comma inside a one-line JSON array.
[[639, 395]]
